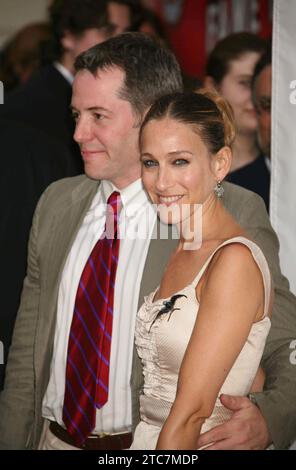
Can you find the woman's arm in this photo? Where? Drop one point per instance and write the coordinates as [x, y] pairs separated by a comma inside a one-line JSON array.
[[231, 298], [277, 402]]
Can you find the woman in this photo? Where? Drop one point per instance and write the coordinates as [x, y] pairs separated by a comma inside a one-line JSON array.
[[229, 70], [201, 332]]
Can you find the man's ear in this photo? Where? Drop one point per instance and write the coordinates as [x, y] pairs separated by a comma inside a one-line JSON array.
[[222, 163], [68, 41], [210, 83]]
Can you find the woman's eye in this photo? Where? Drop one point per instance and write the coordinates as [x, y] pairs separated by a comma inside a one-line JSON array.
[[245, 83], [180, 162], [149, 163], [75, 116]]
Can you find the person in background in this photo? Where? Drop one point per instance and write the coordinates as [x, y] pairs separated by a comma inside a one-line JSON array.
[[229, 70], [261, 92], [43, 102], [131, 15], [147, 21], [21, 56], [30, 162], [120, 14]]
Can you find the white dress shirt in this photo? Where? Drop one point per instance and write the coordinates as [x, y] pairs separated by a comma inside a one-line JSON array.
[[65, 72], [136, 223]]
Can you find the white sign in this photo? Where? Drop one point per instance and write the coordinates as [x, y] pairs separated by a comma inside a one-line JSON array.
[[283, 157]]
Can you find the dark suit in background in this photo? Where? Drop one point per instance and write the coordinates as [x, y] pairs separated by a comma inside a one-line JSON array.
[[43, 103], [255, 176], [30, 161]]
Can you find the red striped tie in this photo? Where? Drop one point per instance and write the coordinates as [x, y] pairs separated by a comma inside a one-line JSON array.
[[87, 370]]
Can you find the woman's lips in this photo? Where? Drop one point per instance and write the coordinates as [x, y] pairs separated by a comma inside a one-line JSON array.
[[168, 200]]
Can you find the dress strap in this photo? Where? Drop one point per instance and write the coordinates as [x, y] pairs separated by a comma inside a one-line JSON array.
[[259, 259]]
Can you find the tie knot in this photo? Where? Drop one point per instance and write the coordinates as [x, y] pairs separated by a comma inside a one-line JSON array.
[[113, 197], [113, 209], [114, 204]]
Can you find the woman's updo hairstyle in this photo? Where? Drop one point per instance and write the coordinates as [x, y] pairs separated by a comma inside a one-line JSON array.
[[207, 112]]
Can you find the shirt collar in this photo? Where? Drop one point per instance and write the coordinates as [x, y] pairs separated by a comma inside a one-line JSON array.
[[132, 197], [65, 72], [267, 163]]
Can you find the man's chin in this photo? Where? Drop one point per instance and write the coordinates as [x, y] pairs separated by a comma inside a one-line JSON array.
[[93, 175]]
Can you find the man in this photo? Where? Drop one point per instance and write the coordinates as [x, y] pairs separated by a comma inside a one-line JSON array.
[[131, 15], [261, 86], [120, 14], [43, 103], [115, 84]]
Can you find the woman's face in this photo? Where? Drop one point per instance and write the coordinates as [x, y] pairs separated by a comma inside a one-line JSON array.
[[235, 87], [176, 167]]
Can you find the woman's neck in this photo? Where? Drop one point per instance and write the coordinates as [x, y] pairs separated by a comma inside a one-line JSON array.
[[244, 150], [202, 225]]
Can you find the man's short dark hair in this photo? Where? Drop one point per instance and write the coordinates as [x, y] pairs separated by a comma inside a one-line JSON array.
[[75, 16], [263, 62], [150, 70]]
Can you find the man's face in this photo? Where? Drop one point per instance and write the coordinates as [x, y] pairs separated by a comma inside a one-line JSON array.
[[89, 38], [75, 44], [119, 17], [106, 127], [262, 100]]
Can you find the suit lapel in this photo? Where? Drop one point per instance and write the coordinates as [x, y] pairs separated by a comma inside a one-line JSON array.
[[65, 227], [63, 231]]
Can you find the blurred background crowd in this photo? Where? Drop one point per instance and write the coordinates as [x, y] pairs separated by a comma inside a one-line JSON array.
[[194, 29], [191, 27]]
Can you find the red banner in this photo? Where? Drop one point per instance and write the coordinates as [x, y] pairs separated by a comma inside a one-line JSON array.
[[194, 26]]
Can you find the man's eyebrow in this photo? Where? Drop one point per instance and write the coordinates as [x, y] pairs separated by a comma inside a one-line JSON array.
[[92, 108], [98, 108]]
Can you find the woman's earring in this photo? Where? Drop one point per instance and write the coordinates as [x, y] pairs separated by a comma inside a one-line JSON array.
[[219, 190]]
